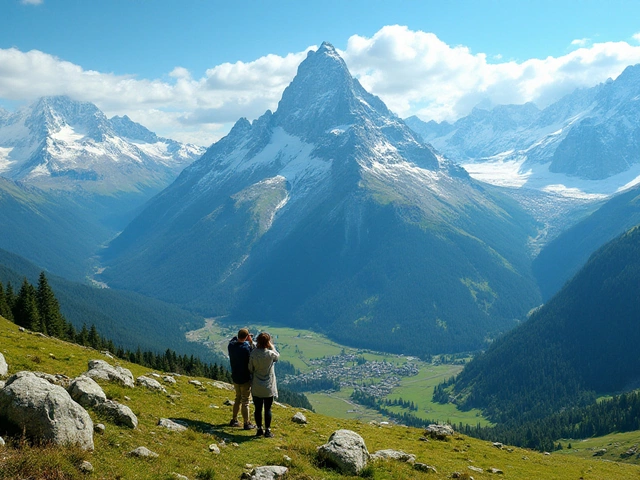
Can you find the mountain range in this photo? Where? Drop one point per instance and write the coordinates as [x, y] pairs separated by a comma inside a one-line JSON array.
[[331, 213], [585, 144], [62, 144]]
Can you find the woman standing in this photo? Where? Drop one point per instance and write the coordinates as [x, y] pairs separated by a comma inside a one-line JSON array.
[[263, 385]]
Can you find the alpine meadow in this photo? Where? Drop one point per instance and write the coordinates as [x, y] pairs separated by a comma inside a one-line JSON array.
[[280, 240]]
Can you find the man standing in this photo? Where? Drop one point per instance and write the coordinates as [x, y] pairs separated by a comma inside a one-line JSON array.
[[239, 351]]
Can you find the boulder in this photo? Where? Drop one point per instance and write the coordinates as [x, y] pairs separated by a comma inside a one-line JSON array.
[[496, 471], [86, 467], [57, 379], [389, 454], [101, 370], [475, 469], [2, 444], [423, 467], [151, 384], [299, 418], [439, 432], [45, 411], [99, 428], [171, 425], [119, 413], [267, 472], [222, 385], [4, 368], [213, 448], [143, 452], [178, 476], [197, 383], [600, 452], [346, 450], [86, 392], [169, 379], [1, 384]]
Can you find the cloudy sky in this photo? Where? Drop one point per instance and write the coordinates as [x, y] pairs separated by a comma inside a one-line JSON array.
[[189, 69]]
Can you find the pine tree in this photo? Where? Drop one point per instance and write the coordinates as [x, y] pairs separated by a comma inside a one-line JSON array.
[[10, 296], [25, 311], [94, 339], [5, 310], [49, 308]]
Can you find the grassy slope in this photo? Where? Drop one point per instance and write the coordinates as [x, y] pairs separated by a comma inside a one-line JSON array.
[[187, 453]]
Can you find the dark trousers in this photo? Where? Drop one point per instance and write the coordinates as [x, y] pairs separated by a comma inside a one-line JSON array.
[[259, 402]]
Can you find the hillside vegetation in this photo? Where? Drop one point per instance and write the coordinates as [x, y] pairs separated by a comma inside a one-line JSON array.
[[581, 344], [202, 409]]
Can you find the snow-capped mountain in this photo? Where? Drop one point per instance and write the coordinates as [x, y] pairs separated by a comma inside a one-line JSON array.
[[585, 145], [61, 144], [330, 213]]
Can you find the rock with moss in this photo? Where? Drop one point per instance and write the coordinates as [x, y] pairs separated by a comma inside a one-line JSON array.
[[299, 418], [171, 425], [389, 454], [439, 432], [143, 452], [87, 392], [119, 413], [4, 368], [267, 472], [346, 451], [150, 383], [101, 370], [45, 411]]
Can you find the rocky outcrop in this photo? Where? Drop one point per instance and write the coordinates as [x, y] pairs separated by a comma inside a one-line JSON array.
[[86, 392], [299, 418], [171, 425], [169, 379], [439, 432], [45, 411], [389, 454], [57, 379], [267, 472], [119, 413], [4, 368], [101, 370], [143, 452], [345, 450], [150, 383]]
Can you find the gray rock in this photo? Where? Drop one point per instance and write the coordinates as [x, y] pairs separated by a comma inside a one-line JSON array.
[[228, 403], [171, 425], [2, 443], [439, 432], [86, 467], [1, 384], [57, 379], [299, 418], [197, 383], [151, 384], [268, 472], [475, 469], [99, 428], [143, 452], [423, 467], [101, 370], [169, 379], [599, 453], [45, 411], [4, 368], [221, 385], [389, 454], [498, 445], [346, 450], [86, 391], [178, 476], [119, 413], [213, 448], [496, 471]]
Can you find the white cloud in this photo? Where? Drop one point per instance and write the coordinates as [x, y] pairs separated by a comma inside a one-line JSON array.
[[414, 72], [636, 36], [580, 42]]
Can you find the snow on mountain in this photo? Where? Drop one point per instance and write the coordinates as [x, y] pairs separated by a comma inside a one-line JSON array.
[[330, 212], [586, 145], [61, 144]]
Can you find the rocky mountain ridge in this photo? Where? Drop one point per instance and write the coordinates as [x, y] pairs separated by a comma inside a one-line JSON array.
[[62, 144]]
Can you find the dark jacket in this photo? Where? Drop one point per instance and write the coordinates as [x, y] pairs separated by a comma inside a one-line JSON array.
[[239, 353]]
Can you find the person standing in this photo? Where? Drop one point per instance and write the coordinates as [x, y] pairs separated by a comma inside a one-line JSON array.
[[263, 385], [240, 348]]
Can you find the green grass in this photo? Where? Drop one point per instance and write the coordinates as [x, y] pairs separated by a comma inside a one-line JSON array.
[[300, 346], [616, 444], [188, 453]]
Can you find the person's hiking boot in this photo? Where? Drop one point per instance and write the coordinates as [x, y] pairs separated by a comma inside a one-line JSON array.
[[234, 423], [249, 426], [259, 433], [268, 434]]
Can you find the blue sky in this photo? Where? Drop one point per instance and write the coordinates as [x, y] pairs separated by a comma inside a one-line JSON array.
[[189, 69]]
